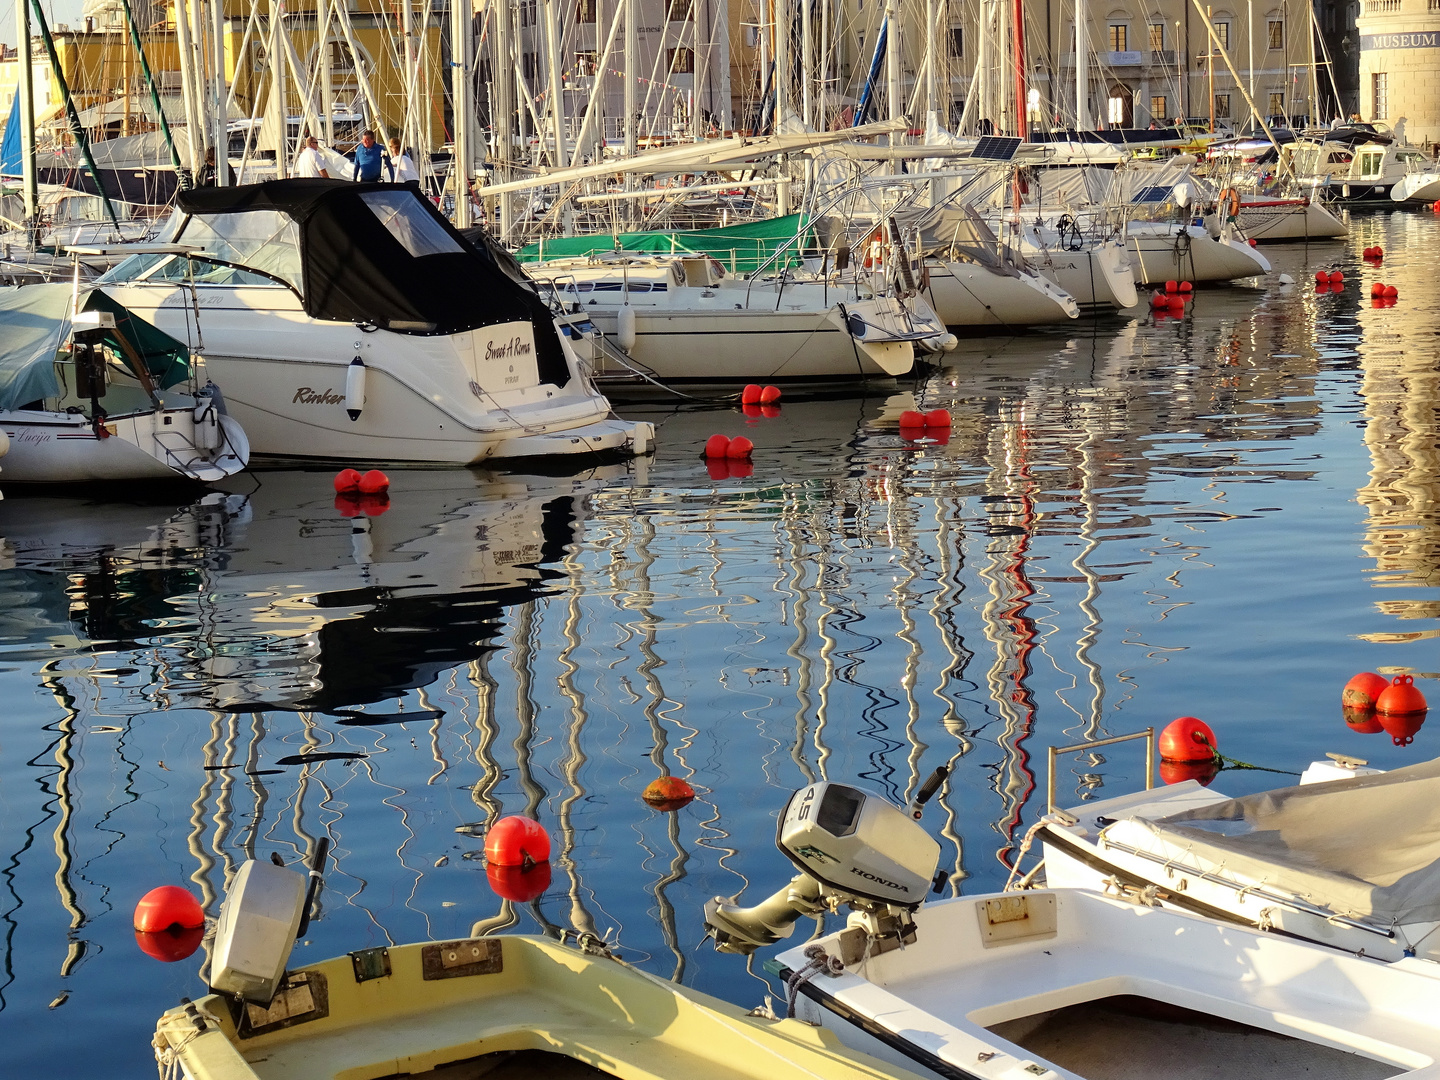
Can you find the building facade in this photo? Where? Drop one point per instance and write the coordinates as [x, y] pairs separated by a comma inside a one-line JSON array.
[[1400, 67]]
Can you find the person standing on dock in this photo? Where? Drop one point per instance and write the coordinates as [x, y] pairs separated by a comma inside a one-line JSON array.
[[369, 159], [309, 164], [402, 170]]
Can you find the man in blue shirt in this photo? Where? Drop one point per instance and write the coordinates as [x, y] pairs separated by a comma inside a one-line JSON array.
[[369, 158]]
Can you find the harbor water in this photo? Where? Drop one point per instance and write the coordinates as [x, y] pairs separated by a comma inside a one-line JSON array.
[[1131, 519]]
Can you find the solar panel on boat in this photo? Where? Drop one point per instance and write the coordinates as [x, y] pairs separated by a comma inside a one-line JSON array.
[[996, 147]]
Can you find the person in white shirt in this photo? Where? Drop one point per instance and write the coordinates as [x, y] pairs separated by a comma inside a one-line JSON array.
[[402, 170], [310, 164]]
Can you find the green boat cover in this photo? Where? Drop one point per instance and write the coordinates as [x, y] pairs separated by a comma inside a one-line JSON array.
[[35, 324], [748, 245]]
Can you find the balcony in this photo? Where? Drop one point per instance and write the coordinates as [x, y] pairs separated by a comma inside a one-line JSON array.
[[1386, 7]]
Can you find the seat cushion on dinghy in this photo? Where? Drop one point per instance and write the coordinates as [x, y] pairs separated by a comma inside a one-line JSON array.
[[1365, 847]]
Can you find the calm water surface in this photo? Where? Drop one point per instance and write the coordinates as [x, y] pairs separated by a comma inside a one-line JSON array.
[[1226, 515]]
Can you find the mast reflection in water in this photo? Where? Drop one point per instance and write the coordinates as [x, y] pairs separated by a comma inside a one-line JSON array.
[[1129, 521]]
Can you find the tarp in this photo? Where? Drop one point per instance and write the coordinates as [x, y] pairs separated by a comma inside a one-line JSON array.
[[378, 254], [35, 323], [11, 163], [1368, 846], [752, 243], [960, 232]]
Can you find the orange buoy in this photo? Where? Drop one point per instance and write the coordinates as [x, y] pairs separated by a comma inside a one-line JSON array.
[[718, 468], [171, 945], [1187, 738], [374, 482], [1401, 729], [937, 418], [1187, 287], [517, 841], [1336, 277], [1400, 698], [1176, 772], [167, 906], [1391, 292], [717, 445], [1378, 289], [739, 447], [1362, 690], [668, 793], [769, 395], [347, 480], [519, 883], [912, 419], [1361, 721], [751, 394]]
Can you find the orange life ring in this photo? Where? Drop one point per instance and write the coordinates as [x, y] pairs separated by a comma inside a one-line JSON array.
[[1231, 196], [871, 259]]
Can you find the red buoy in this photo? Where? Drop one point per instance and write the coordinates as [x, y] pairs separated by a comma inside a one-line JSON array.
[[1400, 698], [739, 447], [170, 945], [912, 419], [519, 883], [751, 394], [517, 841], [374, 482], [1172, 286], [167, 906], [1177, 772], [668, 793], [1391, 291], [1362, 691], [347, 480], [937, 418], [1336, 277], [1322, 277], [769, 395], [1187, 739], [1187, 287], [717, 445], [1252, 242], [1379, 251], [1368, 253], [1378, 289]]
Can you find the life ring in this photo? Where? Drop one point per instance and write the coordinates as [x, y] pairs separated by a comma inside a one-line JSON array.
[[1231, 196], [870, 247]]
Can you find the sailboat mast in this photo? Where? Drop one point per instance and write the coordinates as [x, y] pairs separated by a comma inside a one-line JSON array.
[[632, 61], [502, 103], [276, 55], [461, 27], [557, 94], [189, 80], [219, 115], [931, 81], [1082, 66], [782, 63], [25, 87], [1019, 32], [807, 60], [892, 59]]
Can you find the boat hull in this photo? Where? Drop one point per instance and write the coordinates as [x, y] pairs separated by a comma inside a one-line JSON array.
[[1290, 219], [1099, 277], [964, 294], [1159, 254], [1417, 187]]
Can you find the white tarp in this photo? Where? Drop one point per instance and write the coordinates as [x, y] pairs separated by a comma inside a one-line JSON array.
[[1367, 847]]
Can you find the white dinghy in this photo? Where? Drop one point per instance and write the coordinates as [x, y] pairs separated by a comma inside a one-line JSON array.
[[89, 392], [1061, 984], [352, 322]]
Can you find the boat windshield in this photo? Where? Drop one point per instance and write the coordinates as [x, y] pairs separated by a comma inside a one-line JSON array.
[[264, 240]]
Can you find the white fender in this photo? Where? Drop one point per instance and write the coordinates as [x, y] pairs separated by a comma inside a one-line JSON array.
[[625, 327], [355, 388]]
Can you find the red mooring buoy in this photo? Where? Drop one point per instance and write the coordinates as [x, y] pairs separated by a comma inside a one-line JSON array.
[[1187, 738], [374, 482], [347, 480], [167, 906], [740, 447], [1401, 698], [516, 841], [751, 394], [668, 793], [938, 418], [1362, 690], [717, 445], [769, 395]]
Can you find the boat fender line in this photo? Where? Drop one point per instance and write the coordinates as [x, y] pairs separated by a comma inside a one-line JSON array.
[[625, 327], [355, 388]]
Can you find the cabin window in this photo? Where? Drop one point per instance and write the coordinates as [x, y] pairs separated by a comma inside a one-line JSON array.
[[680, 61], [1157, 37], [1379, 95], [418, 232], [1222, 106], [1277, 33], [1119, 37], [1370, 164]]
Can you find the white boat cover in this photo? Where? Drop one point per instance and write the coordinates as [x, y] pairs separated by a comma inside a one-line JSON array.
[[1367, 847]]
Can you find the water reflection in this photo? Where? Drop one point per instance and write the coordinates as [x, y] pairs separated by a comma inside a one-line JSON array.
[[1127, 521]]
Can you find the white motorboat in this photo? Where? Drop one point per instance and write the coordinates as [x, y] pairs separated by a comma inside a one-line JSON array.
[[1361, 173], [1165, 251], [1060, 984], [1420, 186], [351, 322], [684, 317], [88, 392]]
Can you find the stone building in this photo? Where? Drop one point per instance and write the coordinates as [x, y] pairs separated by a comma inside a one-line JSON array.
[[1400, 66]]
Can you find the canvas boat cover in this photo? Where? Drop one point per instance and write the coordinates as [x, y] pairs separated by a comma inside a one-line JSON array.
[[35, 325], [752, 244], [1367, 847], [951, 232]]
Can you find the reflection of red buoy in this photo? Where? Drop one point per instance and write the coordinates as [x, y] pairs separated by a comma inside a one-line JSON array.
[[739, 468], [769, 395], [1401, 729], [1401, 698], [1187, 739], [1361, 721], [667, 793], [1175, 772], [770, 411], [1362, 691], [167, 906], [519, 883], [517, 841], [751, 394], [373, 504], [347, 480], [374, 482], [751, 411], [739, 447], [170, 945], [348, 503], [718, 468], [716, 445]]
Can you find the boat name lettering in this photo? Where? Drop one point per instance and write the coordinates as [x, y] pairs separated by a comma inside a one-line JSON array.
[[309, 396], [32, 437], [879, 880], [508, 351], [1426, 40]]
